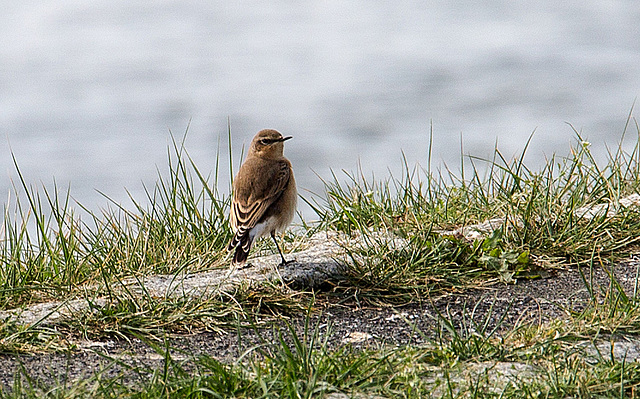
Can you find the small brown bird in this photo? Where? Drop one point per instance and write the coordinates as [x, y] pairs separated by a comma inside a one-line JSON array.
[[264, 194]]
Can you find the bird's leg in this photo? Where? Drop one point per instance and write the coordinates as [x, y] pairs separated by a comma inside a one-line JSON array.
[[284, 261]]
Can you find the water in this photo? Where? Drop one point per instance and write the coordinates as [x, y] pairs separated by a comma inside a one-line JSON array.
[[90, 89]]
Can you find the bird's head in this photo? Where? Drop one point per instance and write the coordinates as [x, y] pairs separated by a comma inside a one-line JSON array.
[[268, 143]]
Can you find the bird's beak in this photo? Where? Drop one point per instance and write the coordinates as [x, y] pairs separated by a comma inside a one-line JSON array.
[[286, 138]]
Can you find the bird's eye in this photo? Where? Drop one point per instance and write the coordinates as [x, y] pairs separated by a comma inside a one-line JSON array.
[[265, 141]]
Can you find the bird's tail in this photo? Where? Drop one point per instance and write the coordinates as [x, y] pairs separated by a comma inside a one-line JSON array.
[[241, 241], [240, 256]]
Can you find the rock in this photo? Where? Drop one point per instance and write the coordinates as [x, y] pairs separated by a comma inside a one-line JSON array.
[[313, 267]]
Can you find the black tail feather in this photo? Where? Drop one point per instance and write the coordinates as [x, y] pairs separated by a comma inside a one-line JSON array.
[[241, 241], [240, 256]]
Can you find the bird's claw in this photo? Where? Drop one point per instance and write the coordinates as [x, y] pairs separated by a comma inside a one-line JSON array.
[[287, 262]]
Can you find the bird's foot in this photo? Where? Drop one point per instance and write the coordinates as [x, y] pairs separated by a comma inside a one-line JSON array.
[[286, 262], [241, 266]]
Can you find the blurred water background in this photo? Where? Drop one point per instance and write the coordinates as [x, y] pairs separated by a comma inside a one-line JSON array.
[[89, 90]]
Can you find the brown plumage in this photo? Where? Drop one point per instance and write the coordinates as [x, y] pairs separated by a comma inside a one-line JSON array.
[[264, 194]]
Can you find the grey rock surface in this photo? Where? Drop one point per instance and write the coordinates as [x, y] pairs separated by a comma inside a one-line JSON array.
[[311, 267]]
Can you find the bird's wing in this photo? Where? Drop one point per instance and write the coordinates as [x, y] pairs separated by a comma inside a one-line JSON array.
[[250, 204]]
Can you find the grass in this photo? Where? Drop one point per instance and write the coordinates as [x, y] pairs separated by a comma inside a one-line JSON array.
[[541, 215], [466, 362], [49, 251], [409, 250]]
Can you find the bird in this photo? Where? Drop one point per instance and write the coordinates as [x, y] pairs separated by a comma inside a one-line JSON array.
[[264, 195]]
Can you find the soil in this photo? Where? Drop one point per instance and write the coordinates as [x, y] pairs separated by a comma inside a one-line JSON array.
[[500, 305]]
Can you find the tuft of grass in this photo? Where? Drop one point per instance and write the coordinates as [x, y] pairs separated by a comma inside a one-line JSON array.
[[49, 251], [392, 270], [385, 270], [544, 216], [129, 314], [184, 227]]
